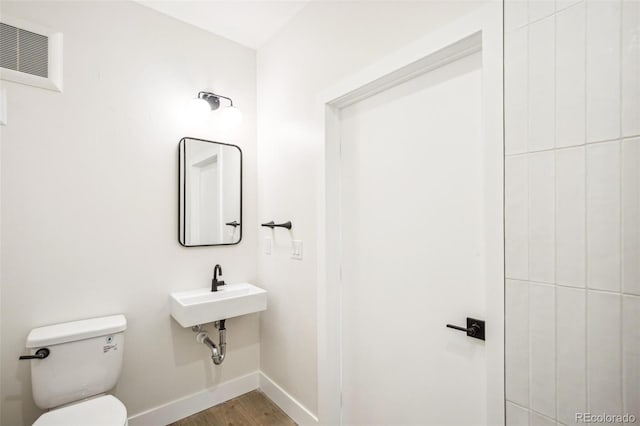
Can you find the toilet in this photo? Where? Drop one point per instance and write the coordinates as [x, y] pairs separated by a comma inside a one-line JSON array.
[[84, 362]]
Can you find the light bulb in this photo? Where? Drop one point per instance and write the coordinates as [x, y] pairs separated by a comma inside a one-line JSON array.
[[198, 109], [231, 116]]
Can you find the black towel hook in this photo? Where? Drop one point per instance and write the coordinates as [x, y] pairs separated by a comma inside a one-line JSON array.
[[272, 225]]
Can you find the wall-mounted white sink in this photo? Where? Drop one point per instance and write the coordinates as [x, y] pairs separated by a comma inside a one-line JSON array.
[[201, 306]]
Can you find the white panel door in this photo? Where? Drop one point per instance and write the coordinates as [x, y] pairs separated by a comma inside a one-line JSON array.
[[413, 257]]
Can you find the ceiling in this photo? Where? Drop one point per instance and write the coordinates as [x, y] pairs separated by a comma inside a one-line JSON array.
[[248, 22]]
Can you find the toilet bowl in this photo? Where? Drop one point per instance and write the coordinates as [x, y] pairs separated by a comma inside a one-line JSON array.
[[83, 361]]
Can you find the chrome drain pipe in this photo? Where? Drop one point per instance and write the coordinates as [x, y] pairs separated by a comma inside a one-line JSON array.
[[218, 351]]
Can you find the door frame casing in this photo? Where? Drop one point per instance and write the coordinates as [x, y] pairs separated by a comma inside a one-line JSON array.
[[479, 31]]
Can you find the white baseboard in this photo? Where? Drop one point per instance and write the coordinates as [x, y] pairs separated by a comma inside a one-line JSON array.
[[184, 407], [294, 409]]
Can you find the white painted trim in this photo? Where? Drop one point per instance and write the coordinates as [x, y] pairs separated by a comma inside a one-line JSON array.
[[54, 81], [184, 407], [26, 25], [294, 409], [3, 106], [192, 404], [438, 58], [397, 67]]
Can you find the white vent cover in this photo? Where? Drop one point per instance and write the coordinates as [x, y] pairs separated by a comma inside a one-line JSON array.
[[24, 51], [30, 54]]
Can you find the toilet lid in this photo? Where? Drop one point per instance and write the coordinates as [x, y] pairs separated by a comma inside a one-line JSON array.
[[102, 411]]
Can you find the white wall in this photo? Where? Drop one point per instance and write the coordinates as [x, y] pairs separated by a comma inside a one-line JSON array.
[[89, 197], [572, 209], [326, 41]]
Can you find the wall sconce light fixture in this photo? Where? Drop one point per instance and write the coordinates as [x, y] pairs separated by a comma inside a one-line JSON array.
[[207, 101]]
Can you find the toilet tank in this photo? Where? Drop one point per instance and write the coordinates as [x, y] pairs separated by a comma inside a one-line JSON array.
[[85, 359]]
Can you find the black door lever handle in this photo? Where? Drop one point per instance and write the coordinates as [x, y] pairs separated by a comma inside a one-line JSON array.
[[460, 328], [475, 328], [41, 353]]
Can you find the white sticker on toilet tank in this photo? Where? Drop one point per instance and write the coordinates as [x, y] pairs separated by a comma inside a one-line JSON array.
[[107, 348]]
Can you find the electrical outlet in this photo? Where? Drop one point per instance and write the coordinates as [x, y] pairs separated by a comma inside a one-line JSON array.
[[296, 249], [267, 245]]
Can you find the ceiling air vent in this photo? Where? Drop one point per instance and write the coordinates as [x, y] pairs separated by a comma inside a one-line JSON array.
[[30, 54]]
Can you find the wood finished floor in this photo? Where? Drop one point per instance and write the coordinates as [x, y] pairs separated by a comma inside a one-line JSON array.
[[250, 409]]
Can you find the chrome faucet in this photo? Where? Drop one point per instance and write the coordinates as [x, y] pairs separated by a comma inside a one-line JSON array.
[[214, 282]]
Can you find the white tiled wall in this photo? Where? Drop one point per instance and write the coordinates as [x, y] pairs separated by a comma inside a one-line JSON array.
[[603, 216], [572, 111], [603, 69]]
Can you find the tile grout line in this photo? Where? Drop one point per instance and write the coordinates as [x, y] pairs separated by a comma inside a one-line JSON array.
[[592, 290], [586, 213], [504, 223], [576, 287], [528, 114], [621, 204], [529, 338], [555, 210], [531, 411], [504, 206], [528, 234], [584, 144]]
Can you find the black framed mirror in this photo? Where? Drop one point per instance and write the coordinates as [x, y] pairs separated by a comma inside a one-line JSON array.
[[210, 193]]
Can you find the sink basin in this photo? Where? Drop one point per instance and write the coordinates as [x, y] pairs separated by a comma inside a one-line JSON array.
[[201, 306]]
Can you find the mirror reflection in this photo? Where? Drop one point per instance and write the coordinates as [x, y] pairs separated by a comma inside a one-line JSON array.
[[210, 193]]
